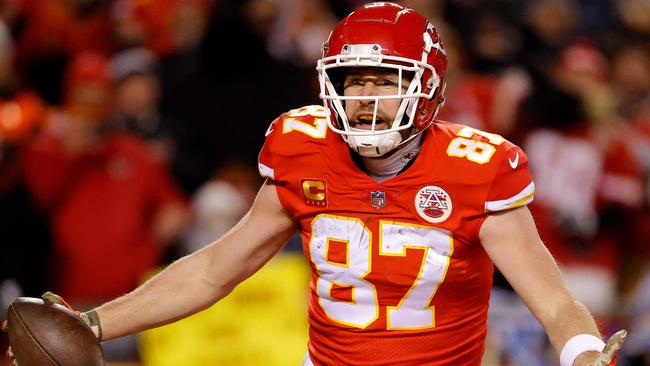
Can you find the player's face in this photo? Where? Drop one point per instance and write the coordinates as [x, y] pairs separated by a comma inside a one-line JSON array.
[[372, 81]]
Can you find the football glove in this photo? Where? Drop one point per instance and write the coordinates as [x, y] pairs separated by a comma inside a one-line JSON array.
[[90, 318], [613, 345]]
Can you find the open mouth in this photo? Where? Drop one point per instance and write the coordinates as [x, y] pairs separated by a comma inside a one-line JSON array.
[[364, 122]]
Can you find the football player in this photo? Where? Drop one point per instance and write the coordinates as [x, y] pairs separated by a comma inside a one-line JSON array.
[[402, 217]]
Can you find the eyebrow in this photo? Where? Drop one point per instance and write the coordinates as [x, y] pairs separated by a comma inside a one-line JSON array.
[[371, 74]]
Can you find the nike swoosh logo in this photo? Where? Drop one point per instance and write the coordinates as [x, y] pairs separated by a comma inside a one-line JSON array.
[[514, 163]]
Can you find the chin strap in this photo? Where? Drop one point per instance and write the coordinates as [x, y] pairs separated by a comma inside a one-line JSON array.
[[379, 145], [376, 145]]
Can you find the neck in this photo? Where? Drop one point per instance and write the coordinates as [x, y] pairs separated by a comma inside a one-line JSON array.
[[388, 166]]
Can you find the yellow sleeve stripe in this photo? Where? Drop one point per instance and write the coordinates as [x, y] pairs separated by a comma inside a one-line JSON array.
[[520, 199]]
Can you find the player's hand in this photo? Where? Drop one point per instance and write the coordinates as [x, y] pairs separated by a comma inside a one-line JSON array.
[[89, 318], [51, 298], [613, 345], [10, 356], [48, 297], [10, 353]]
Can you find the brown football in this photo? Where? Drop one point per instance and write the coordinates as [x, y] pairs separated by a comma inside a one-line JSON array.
[[44, 334]]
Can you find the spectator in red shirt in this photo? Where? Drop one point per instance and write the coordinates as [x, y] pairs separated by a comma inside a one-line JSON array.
[[111, 204]]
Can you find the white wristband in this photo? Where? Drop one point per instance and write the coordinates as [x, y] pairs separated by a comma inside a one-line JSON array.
[[577, 345]]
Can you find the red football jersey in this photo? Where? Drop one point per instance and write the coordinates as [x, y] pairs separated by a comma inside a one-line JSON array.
[[399, 276]]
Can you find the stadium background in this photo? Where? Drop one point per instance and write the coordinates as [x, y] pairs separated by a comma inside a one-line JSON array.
[[129, 131]]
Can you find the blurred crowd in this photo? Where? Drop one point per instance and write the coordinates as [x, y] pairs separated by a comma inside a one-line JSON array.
[[129, 131]]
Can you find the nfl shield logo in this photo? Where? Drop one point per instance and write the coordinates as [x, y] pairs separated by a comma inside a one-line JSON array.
[[377, 199]]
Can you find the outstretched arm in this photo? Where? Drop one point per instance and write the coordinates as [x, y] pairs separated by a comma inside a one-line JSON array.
[[197, 281], [511, 240]]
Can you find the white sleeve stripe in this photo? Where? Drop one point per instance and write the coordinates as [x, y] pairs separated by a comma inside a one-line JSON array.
[[265, 171], [520, 199]]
